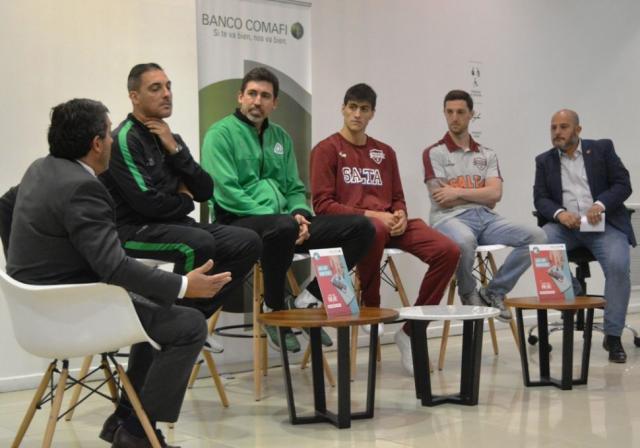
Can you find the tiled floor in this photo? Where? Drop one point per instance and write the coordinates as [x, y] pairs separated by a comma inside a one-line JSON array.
[[606, 412]]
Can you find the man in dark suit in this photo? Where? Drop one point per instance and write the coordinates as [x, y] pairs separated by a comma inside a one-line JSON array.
[[585, 181], [63, 231]]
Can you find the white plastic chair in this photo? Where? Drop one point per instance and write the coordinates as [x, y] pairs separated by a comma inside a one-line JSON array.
[[60, 322]]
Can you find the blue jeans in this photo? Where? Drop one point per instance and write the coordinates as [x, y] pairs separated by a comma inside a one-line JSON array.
[[482, 226], [611, 249]]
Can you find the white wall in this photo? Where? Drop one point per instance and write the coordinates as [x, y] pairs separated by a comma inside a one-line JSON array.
[[536, 57], [53, 51]]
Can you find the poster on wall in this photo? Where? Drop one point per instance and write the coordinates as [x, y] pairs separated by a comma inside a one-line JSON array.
[[235, 36], [475, 74]]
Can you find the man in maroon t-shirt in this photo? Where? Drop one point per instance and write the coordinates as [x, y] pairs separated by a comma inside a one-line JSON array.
[[353, 173]]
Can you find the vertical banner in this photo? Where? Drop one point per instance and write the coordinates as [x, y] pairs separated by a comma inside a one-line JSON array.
[[235, 36]]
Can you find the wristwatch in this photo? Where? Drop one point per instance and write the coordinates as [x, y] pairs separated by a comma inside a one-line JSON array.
[[178, 149]]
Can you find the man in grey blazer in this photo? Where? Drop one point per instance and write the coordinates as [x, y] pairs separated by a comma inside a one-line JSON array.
[[63, 231]]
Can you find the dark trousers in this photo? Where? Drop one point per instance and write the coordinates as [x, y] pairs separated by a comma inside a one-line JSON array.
[[189, 244], [353, 233], [160, 377]]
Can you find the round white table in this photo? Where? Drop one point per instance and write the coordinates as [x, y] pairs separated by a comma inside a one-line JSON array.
[[473, 319]]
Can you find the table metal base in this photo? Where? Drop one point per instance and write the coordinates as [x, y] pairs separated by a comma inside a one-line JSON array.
[[343, 417], [566, 382], [469, 371]]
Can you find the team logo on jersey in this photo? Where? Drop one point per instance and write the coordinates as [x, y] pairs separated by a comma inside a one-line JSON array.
[[363, 176], [278, 149], [480, 163], [376, 155], [342, 154]]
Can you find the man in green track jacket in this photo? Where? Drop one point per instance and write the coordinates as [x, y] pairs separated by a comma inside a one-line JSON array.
[[253, 166]]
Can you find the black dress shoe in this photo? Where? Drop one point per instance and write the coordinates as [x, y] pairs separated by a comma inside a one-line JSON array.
[[109, 428], [124, 439], [613, 345]]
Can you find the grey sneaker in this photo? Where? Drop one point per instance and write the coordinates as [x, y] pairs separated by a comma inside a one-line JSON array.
[[290, 339], [473, 299], [496, 301]]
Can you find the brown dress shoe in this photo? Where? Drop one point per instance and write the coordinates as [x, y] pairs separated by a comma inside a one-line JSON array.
[[124, 439]]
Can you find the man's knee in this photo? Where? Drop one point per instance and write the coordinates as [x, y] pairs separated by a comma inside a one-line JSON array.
[[368, 229], [466, 245], [200, 329], [450, 250], [284, 229], [251, 244], [538, 236]]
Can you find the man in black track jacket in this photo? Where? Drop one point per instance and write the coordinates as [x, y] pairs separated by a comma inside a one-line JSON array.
[[154, 182]]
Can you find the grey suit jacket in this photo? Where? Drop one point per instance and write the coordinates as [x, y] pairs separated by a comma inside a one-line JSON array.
[[63, 231]]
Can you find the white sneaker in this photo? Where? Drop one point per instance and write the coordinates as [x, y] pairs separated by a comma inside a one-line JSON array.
[[403, 342], [367, 329], [306, 300], [212, 345]]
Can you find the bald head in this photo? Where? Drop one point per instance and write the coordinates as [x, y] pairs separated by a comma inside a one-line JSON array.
[[570, 114], [565, 130]]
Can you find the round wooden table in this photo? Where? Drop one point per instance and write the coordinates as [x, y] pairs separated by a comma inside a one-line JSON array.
[[568, 309], [314, 319]]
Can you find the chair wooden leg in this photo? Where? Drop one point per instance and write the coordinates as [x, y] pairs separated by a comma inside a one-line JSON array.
[[493, 270], [75, 395], [494, 338], [194, 374], [354, 350], [306, 357], [481, 263], [213, 320], [293, 283], [211, 324], [446, 325], [216, 378], [31, 410], [137, 407], [327, 371], [443, 343], [56, 404], [258, 363], [398, 282], [111, 383], [514, 332]]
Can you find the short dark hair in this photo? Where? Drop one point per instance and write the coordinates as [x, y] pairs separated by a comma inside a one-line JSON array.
[[74, 125], [459, 95], [133, 80], [259, 74], [361, 92]]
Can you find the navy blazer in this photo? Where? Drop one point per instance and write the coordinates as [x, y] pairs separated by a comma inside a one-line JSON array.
[[608, 181]]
